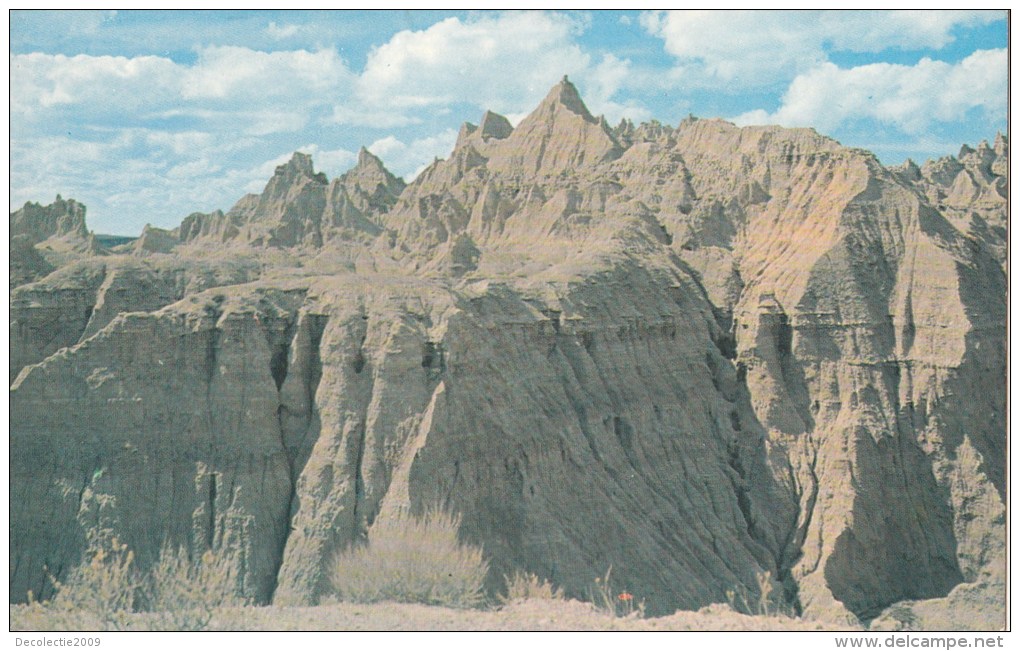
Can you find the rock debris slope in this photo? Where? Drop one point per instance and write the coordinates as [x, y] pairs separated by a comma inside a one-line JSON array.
[[694, 355]]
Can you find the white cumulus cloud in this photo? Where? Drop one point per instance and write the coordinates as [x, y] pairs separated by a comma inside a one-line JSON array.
[[106, 83], [409, 159], [239, 72], [600, 83], [911, 98], [758, 48], [874, 31], [506, 62]]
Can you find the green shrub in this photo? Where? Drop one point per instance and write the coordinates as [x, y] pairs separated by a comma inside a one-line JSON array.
[[412, 560]]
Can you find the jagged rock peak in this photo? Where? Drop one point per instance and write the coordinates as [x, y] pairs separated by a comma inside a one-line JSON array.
[[60, 205], [1001, 145], [370, 186], [494, 125], [299, 164], [559, 136], [465, 132], [565, 94], [60, 218], [909, 170], [370, 170], [624, 130], [369, 161], [297, 171]]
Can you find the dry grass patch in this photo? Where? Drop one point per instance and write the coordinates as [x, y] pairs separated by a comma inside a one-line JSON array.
[[106, 592], [413, 560], [613, 601], [522, 586], [100, 592], [186, 592]]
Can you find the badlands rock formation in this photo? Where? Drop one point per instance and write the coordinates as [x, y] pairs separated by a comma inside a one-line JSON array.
[[693, 354], [57, 228]]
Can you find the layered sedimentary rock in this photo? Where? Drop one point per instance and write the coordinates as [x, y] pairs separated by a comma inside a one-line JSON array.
[[300, 208], [43, 237], [971, 190], [694, 355], [155, 240], [59, 219]]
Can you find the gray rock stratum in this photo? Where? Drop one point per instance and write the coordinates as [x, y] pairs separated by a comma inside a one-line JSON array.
[[693, 354]]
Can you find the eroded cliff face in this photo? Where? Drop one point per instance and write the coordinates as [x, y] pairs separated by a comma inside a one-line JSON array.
[[694, 355]]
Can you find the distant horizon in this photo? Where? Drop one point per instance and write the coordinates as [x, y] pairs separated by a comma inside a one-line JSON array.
[[146, 117]]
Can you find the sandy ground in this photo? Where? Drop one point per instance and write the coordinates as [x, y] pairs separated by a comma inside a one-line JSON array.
[[532, 615]]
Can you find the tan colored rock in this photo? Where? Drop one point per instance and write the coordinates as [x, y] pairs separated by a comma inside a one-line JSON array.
[[26, 262], [59, 219], [557, 137], [45, 237], [971, 191], [695, 355], [155, 240]]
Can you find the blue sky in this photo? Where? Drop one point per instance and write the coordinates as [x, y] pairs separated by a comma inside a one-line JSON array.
[[148, 116]]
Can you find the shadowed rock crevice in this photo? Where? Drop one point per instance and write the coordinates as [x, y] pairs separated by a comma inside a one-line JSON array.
[[297, 390]]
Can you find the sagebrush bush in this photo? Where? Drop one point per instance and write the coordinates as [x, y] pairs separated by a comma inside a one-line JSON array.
[[185, 592], [105, 585], [106, 588], [521, 586], [412, 560]]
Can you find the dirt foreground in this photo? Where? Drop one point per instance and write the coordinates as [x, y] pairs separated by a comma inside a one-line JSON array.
[[532, 615]]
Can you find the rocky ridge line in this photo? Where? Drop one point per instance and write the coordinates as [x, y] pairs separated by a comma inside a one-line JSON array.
[[694, 354]]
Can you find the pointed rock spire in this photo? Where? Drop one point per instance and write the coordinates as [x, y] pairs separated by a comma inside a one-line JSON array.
[[369, 162], [494, 125], [372, 186], [295, 172], [1001, 145], [909, 170], [466, 130], [371, 166], [299, 165], [558, 136], [565, 94]]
